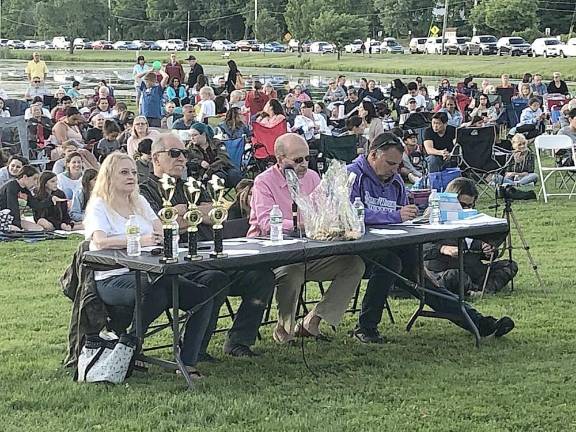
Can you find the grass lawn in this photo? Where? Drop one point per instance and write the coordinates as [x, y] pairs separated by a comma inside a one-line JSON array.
[[432, 379], [427, 65]]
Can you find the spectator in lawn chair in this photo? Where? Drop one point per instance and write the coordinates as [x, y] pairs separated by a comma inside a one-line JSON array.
[[52, 216], [362, 88], [355, 126], [12, 168], [82, 196], [70, 180], [59, 110], [208, 157], [140, 130], [451, 109], [367, 112], [15, 189], [256, 99], [373, 93], [532, 120], [524, 92], [272, 114], [39, 128], [334, 93], [483, 108], [74, 92], [570, 130], [115, 197], [221, 88], [254, 286], [300, 95], [233, 127], [176, 92], [558, 85], [61, 152], [102, 107], [345, 272], [538, 87], [109, 142], [270, 91], [423, 91], [68, 128], [411, 167], [37, 101], [187, 120], [413, 94], [170, 115], [308, 123], [382, 191], [439, 142], [103, 92], [151, 99], [36, 89], [441, 258], [352, 102]]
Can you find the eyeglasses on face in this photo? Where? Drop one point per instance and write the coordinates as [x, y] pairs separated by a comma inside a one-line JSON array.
[[466, 205], [175, 153], [140, 124], [300, 160], [36, 82]]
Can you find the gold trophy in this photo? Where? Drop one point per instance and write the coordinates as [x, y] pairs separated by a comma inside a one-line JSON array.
[[193, 216], [168, 217], [218, 215]]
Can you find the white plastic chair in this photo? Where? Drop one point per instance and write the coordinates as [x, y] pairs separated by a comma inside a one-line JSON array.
[[555, 143]]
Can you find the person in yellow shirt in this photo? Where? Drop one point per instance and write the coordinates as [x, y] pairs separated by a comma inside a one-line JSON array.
[[36, 68]]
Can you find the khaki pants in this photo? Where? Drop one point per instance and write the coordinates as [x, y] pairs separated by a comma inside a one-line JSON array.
[[345, 272]]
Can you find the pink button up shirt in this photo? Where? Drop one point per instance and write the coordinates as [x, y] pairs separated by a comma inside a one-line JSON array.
[[270, 188]]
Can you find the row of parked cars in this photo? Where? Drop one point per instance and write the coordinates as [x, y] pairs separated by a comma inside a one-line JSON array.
[[490, 45]]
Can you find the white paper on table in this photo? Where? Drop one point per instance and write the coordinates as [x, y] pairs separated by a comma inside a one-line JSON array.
[[240, 252], [381, 231], [266, 243]]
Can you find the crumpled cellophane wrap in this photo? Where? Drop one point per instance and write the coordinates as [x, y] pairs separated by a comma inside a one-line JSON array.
[[327, 212]]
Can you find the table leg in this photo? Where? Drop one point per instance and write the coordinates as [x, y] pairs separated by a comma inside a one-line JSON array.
[[176, 330], [138, 310], [461, 293], [421, 279]]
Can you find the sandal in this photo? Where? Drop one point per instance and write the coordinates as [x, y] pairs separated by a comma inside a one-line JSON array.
[[282, 340], [302, 331], [193, 372]]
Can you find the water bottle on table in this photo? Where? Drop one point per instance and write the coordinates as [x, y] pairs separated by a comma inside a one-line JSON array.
[[276, 224], [434, 206], [359, 213], [133, 247], [175, 238]]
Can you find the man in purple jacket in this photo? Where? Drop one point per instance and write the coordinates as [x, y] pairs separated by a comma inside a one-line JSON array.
[[382, 191]]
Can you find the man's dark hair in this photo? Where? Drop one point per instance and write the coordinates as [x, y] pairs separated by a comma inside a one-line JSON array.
[[572, 113], [352, 122], [462, 186], [412, 86], [145, 146], [70, 111], [66, 98], [352, 90], [18, 158], [386, 141], [28, 171], [75, 83], [110, 126], [442, 116], [307, 104], [534, 100]]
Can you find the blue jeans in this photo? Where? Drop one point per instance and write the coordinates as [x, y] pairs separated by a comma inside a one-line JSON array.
[[435, 163], [530, 178]]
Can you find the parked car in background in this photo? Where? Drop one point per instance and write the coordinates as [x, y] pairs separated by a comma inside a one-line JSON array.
[[60, 42], [247, 45], [433, 45], [374, 46], [416, 45], [321, 48], [152, 46], [200, 44], [102, 45], [456, 45], [513, 46], [354, 47], [569, 49], [126, 46], [3, 42], [274, 47], [82, 43], [294, 44], [15, 44], [45, 45], [547, 47], [175, 45], [484, 45], [31, 44], [391, 46], [223, 45]]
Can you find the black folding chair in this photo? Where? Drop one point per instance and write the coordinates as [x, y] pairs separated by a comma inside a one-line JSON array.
[[342, 148]]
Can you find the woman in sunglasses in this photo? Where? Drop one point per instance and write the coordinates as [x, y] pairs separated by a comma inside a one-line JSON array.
[[140, 130]]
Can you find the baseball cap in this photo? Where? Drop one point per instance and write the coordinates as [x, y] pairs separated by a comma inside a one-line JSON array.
[[409, 133]]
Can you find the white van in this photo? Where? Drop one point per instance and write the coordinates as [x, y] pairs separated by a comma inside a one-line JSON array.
[[547, 47], [60, 42]]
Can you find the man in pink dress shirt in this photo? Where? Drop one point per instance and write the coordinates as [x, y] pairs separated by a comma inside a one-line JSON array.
[[345, 272]]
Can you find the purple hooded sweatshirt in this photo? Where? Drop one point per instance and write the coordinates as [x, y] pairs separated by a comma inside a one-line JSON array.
[[380, 198]]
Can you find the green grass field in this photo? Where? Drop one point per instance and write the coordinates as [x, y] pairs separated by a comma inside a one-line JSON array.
[[427, 65], [432, 379]]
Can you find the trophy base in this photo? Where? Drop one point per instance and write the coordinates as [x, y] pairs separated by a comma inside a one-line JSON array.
[[193, 258], [218, 255], [165, 260]]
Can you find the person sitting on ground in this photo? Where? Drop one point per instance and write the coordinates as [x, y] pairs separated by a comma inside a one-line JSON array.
[[13, 190], [367, 112], [151, 98], [272, 114], [144, 160], [532, 120], [70, 180], [71, 146], [188, 118], [52, 216], [309, 123], [255, 286], [335, 93], [233, 126], [12, 168], [109, 142], [520, 172], [411, 168], [36, 88], [207, 107], [439, 142], [240, 208], [558, 85], [114, 199], [345, 272], [441, 258], [39, 129], [413, 94], [95, 133], [68, 128], [256, 99], [450, 107], [208, 157], [170, 115], [59, 110], [176, 92], [351, 104], [82, 196], [140, 130]]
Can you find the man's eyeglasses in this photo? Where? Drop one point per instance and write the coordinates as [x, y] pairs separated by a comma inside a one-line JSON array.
[[465, 205], [36, 82], [175, 153], [300, 160]]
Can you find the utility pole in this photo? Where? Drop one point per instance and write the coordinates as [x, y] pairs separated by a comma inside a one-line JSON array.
[[0, 18], [474, 27], [571, 24], [444, 25], [255, 18], [109, 18], [188, 32]]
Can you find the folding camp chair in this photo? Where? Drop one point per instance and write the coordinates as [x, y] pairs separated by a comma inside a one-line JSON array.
[[476, 149], [518, 106], [342, 148], [263, 141], [556, 143], [236, 149], [418, 122]]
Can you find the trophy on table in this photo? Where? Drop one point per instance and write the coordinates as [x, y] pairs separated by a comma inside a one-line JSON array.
[[193, 189], [218, 215], [168, 216]]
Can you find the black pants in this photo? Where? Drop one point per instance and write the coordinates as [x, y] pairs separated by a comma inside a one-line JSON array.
[[255, 287], [405, 262]]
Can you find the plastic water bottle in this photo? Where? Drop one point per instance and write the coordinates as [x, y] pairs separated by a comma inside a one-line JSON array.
[[359, 210], [175, 239], [434, 206], [133, 247], [276, 224]]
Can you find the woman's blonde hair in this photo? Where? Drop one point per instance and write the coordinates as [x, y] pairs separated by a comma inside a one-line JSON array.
[[207, 92], [517, 140], [134, 132], [523, 86], [105, 188]]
